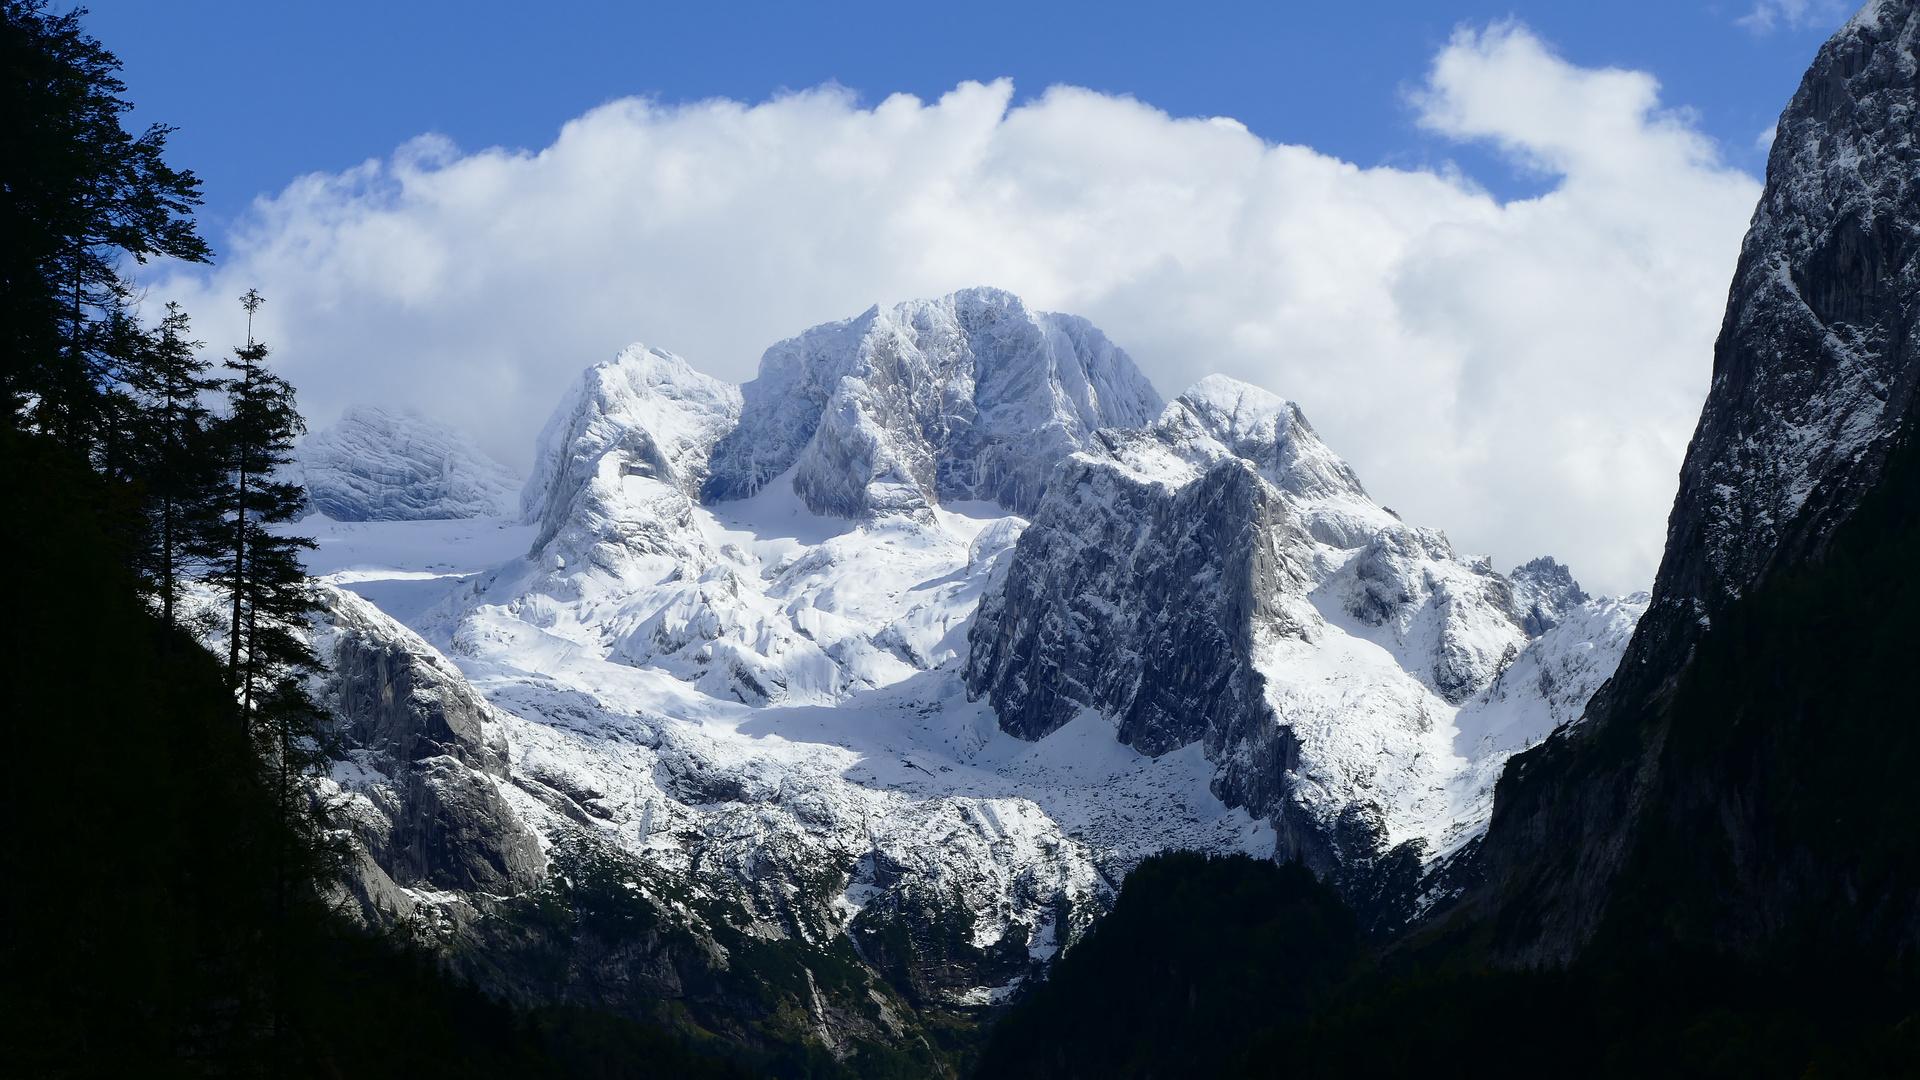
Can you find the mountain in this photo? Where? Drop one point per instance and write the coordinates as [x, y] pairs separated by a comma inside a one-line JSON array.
[[821, 714], [886, 667], [1810, 407], [967, 398], [1221, 578], [1707, 868], [383, 465]]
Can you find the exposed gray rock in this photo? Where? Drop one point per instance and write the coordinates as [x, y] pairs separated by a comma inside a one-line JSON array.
[[421, 759], [1138, 600], [1543, 593], [1222, 578]]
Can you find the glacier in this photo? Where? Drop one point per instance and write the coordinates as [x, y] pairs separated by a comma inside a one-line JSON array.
[[399, 465], [945, 620]]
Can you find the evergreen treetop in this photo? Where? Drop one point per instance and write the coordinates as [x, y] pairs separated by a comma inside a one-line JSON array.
[[79, 195]]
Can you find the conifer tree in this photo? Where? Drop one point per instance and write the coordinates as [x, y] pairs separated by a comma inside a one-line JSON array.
[[268, 595], [175, 458], [270, 600], [78, 195]]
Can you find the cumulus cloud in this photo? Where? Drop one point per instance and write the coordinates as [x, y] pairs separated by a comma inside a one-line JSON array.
[[1524, 375]]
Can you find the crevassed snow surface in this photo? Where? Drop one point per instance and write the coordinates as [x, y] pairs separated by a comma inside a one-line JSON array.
[[386, 465]]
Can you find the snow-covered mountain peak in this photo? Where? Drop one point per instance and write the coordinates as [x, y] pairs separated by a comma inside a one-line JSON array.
[[400, 465], [794, 631], [1221, 578], [969, 397], [1543, 593], [1264, 428], [647, 414]]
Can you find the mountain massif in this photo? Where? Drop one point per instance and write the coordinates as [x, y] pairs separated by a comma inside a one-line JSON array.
[[856, 670], [882, 671]]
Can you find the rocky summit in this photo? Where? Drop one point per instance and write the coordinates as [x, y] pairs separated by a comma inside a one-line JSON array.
[[888, 665]]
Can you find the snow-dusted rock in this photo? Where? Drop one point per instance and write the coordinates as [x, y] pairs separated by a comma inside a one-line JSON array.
[[969, 397], [1543, 593], [646, 414], [383, 465], [422, 759], [791, 652], [759, 598], [1222, 578], [1814, 376]]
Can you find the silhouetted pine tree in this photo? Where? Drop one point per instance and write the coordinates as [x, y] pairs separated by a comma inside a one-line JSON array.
[[270, 600], [173, 456], [268, 595], [78, 194]]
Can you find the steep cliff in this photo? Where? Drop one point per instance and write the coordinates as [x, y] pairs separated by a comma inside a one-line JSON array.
[[420, 761], [1812, 391], [1220, 579]]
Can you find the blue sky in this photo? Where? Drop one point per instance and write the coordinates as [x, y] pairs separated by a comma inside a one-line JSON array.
[[262, 92], [1514, 353]]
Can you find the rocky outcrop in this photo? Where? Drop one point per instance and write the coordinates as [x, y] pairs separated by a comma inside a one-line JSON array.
[[421, 760], [969, 397], [646, 414], [1221, 578], [768, 914], [1544, 592], [1813, 383], [1152, 623]]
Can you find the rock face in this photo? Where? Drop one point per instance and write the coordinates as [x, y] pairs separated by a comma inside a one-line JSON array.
[[1145, 577], [1544, 592], [381, 465], [422, 760], [1814, 367], [1813, 381], [969, 397], [629, 566], [512, 866], [646, 414], [1221, 578]]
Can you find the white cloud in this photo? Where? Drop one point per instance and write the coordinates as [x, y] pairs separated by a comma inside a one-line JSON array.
[[1793, 14], [1524, 375]]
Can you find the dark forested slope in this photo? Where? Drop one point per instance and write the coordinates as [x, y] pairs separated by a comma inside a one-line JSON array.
[[142, 931]]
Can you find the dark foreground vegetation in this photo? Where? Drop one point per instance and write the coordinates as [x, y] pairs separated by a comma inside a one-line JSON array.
[[162, 914], [1237, 968], [165, 869]]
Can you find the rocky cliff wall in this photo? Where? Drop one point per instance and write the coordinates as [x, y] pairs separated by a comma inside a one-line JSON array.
[[1813, 380]]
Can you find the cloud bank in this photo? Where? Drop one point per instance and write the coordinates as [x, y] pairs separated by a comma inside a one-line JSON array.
[[1523, 375]]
